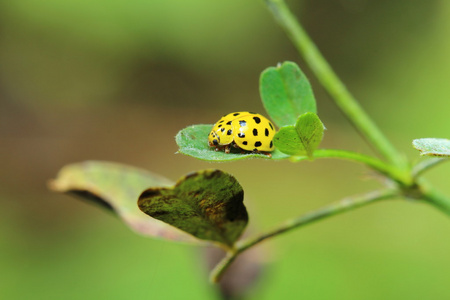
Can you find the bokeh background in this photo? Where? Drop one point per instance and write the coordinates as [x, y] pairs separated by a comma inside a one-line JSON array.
[[115, 80]]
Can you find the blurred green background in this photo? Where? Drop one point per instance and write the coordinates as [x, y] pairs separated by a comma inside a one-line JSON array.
[[115, 80]]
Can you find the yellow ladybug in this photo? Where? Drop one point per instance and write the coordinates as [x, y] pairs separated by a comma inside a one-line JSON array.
[[245, 130]]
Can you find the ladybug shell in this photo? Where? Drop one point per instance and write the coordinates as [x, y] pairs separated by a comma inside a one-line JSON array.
[[253, 132], [249, 131]]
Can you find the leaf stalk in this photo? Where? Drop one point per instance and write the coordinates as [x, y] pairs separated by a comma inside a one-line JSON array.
[[399, 176]]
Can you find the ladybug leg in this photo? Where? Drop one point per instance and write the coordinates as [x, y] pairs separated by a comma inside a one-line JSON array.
[[227, 149], [268, 154]]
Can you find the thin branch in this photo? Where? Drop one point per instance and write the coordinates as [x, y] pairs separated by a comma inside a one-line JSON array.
[[344, 205], [426, 164]]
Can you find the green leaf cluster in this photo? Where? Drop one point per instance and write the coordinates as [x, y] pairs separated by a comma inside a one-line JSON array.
[[289, 101]]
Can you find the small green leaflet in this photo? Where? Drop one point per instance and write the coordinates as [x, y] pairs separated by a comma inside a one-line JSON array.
[[286, 93], [433, 146], [301, 139]]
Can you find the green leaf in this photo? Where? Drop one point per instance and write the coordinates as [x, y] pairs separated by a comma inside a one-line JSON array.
[[433, 146], [287, 141], [193, 141], [207, 204], [286, 93], [310, 130], [301, 139], [117, 188]]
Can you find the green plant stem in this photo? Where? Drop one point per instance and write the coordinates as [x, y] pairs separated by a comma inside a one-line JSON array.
[[392, 172], [325, 212], [434, 197], [331, 82]]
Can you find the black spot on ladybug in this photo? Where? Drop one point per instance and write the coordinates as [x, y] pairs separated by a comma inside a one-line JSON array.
[[244, 143], [242, 123], [223, 129], [258, 144], [229, 123], [241, 135], [270, 124], [266, 132], [271, 144], [255, 132], [220, 125], [229, 132], [221, 121], [215, 142], [257, 120], [236, 114]]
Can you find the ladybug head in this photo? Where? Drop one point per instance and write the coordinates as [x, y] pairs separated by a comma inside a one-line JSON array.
[[214, 142], [213, 139]]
